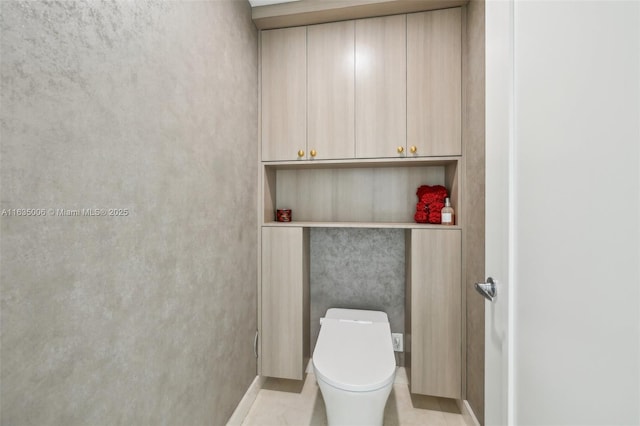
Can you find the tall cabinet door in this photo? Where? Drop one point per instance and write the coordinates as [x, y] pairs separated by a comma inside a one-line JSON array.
[[330, 94], [284, 333], [284, 85], [381, 86], [436, 335], [434, 85]]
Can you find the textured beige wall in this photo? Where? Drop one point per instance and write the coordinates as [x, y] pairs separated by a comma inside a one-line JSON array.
[[474, 133], [146, 319]]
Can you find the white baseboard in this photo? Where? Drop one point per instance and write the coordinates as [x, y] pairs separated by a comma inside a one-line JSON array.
[[246, 402], [467, 413]]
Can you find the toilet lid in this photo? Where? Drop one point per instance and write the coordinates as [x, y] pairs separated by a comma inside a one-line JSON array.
[[354, 355]]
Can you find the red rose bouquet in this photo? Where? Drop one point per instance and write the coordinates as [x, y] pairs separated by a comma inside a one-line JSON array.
[[430, 203]]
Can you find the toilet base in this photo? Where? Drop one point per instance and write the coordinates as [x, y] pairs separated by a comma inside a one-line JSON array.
[[345, 408]]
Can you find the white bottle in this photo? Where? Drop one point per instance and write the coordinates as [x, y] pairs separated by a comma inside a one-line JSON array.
[[447, 213]]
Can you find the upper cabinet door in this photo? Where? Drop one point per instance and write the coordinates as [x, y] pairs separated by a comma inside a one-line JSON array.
[[381, 87], [330, 90], [434, 93], [284, 85]]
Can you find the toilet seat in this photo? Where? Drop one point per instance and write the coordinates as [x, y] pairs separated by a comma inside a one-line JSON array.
[[355, 354]]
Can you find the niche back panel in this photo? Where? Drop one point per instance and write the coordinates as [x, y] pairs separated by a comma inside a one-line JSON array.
[[357, 268], [385, 194]]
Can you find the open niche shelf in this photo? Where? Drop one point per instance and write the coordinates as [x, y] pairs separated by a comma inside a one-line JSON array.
[[349, 194]]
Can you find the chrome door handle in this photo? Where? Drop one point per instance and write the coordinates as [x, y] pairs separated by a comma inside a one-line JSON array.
[[488, 290]]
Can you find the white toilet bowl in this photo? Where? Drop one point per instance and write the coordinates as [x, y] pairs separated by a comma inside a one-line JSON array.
[[355, 366]]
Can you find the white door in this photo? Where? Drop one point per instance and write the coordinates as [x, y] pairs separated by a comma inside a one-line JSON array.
[[499, 113], [563, 126]]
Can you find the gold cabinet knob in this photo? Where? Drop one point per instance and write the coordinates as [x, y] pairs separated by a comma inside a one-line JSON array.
[[301, 153], [313, 153], [413, 149], [400, 149]]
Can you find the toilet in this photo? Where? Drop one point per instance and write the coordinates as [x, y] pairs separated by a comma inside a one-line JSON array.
[[354, 366]]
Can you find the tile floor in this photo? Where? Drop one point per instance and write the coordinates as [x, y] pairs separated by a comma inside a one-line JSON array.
[[285, 402]]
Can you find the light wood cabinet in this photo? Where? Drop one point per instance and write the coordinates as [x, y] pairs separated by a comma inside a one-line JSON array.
[[380, 86], [354, 92], [284, 86], [387, 87], [434, 294], [330, 90], [434, 82], [284, 333]]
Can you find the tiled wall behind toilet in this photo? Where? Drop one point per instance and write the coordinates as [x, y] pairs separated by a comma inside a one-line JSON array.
[[357, 268]]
